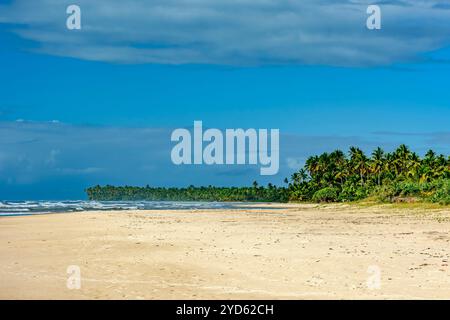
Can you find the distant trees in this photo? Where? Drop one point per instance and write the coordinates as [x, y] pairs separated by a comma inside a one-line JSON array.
[[255, 193], [327, 177]]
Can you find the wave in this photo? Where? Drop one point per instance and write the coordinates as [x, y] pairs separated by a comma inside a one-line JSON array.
[[14, 208]]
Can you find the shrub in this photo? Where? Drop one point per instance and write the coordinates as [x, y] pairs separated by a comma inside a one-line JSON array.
[[352, 192], [328, 194], [384, 193], [442, 194], [407, 189]]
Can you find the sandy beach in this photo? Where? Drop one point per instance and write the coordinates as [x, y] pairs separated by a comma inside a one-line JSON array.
[[283, 252]]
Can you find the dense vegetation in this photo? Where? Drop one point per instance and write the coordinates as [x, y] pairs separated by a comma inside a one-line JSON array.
[[256, 193], [398, 176], [330, 177]]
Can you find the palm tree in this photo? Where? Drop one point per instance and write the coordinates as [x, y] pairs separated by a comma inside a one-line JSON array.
[[300, 176], [339, 162], [312, 165], [358, 162], [414, 166], [428, 166], [377, 164], [440, 166], [402, 155]]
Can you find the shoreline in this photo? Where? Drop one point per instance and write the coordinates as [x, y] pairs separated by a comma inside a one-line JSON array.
[[426, 206], [299, 252], [33, 207]]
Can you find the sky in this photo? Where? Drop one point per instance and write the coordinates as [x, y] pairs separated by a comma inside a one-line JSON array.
[[98, 105]]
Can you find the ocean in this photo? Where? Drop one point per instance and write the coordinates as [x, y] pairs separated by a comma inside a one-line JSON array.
[[19, 208]]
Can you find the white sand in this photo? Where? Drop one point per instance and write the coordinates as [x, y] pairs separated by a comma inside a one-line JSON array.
[[300, 252]]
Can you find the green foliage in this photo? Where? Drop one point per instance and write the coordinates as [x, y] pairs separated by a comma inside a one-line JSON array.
[[328, 194], [270, 193], [352, 192], [385, 176], [334, 176], [407, 188], [435, 191], [442, 194], [384, 193]]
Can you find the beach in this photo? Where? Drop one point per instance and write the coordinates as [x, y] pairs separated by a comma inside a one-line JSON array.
[[273, 251]]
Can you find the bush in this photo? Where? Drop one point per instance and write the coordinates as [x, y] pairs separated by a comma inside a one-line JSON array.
[[408, 189], [328, 194], [353, 191], [437, 191], [385, 193], [442, 194]]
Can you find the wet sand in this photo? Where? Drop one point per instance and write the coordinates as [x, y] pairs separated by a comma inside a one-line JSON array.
[[298, 252]]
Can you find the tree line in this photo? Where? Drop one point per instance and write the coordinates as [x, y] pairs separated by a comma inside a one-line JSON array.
[[386, 176], [401, 175], [256, 193]]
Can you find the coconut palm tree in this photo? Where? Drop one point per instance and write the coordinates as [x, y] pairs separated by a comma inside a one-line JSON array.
[[377, 163], [358, 162], [312, 165], [413, 166], [402, 156]]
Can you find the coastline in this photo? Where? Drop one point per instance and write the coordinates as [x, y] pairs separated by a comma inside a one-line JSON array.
[[303, 251]]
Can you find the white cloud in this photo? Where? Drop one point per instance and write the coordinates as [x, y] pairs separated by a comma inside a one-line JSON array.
[[294, 163], [244, 32], [79, 171], [51, 160]]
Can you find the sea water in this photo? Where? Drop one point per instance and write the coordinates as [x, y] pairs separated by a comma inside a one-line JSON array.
[[16, 208]]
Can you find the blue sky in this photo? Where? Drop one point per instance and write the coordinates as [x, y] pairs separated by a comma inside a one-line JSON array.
[[98, 105]]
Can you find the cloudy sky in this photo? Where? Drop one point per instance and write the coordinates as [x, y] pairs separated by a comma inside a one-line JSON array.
[[97, 105]]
